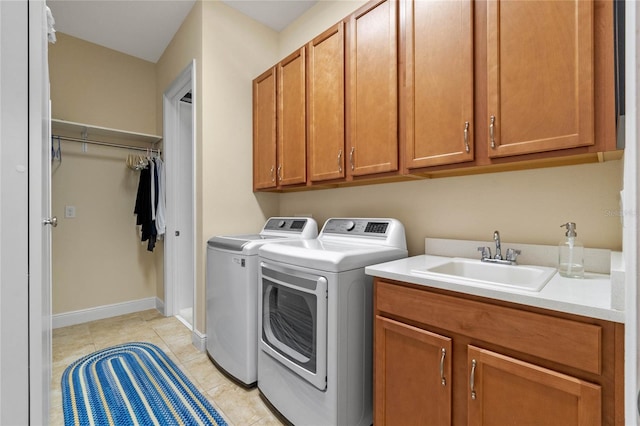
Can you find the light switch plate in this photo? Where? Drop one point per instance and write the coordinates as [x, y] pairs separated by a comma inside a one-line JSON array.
[[69, 212]]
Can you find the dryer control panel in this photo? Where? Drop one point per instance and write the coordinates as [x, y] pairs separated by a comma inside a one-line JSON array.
[[383, 231], [359, 227], [287, 224], [356, 227]]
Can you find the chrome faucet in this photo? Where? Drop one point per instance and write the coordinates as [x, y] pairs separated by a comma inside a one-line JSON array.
[[512, 254], [496, 238]]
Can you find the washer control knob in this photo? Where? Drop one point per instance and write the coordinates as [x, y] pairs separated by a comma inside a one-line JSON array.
[[281, 224], [350, 225]]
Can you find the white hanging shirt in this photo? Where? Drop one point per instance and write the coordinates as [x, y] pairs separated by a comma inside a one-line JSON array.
[[160, 209]]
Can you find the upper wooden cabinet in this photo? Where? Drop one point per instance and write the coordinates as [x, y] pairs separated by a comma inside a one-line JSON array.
[[279, 124], [372, 96], [292, 130], [540, 76], [433, 88], [325, 105], [437, 94], [264, 130]]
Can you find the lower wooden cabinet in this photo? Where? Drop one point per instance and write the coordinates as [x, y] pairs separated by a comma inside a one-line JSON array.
[[444, 358], [506, 391], [411, 362]]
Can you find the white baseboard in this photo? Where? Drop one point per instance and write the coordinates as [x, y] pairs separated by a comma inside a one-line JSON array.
[[199, 340], [160, 306], [106, 311]]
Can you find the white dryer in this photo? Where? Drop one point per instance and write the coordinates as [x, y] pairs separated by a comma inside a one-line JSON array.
[[315, 321], [232, 293]]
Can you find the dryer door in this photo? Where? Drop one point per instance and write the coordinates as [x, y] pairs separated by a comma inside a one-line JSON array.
[[294, 321]]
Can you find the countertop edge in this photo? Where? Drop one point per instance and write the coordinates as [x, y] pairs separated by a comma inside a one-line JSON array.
[[399, 270]]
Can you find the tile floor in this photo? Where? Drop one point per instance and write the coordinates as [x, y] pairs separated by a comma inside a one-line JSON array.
[[237, 405]]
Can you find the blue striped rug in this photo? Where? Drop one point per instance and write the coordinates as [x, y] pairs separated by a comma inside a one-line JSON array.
[[132, 384]]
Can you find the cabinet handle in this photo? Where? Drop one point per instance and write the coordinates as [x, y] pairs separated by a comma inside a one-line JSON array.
[[280, 172], [353, 148], [340, 161], [491, 131], [473, 379], [443, 380], [273, 176], [466, 137]]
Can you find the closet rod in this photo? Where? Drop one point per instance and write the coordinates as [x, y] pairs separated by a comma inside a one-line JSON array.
[[114, 145]]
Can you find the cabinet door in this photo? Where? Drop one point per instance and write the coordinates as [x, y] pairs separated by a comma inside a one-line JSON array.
[[292, 130], [540, 59], [264, 130], [504, 390], [373, 89], [412, 375], [326, 108], [438, 91]]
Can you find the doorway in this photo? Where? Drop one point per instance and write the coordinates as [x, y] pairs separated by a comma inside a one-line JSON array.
[[179, 148]]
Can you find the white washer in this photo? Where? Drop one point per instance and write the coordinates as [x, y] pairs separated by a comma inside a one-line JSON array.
[[315, 321], [232, 293]]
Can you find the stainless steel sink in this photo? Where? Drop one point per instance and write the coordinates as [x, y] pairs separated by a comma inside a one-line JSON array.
[[471, 271]]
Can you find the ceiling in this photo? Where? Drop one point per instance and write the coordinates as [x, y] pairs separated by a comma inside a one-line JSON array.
[[144, 28]]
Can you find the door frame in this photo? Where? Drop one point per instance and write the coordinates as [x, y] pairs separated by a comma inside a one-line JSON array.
[[631, 218], [185, 82]]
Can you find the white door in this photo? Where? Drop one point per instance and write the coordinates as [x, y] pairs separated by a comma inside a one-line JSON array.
[[179, 257], [184, 214], [39, 212], [14, 212]]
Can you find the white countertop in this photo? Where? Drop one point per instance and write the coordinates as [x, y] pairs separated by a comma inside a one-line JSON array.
[[589, 297]]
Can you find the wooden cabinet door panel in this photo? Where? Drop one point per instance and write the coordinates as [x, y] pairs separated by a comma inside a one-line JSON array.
[[264, 130], [540, 71], [507, 391], [292, 131], [326, 108], [412, 375], [373, 90], [438, 94]]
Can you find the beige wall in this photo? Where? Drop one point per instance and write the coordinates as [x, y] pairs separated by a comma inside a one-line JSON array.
[[526, 206], [312, 23], [97, 257], [185, 47], [230, 50], [94, 85], [235, 50]]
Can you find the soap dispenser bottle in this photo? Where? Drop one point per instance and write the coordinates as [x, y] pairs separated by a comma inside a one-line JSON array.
[[571, 253]]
